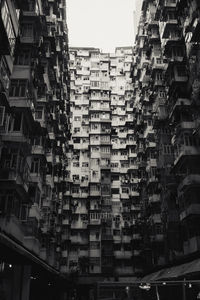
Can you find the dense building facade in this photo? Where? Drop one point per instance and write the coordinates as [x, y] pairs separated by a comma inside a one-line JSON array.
[[34, 99], [99, 160], [101, 202], [166, 111]]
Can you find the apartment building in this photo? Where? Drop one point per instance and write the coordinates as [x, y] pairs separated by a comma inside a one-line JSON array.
[[101, 202], [34, 101], [166, 110]]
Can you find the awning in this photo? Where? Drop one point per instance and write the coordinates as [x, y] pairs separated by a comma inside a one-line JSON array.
[[174, 272], [19, 249]]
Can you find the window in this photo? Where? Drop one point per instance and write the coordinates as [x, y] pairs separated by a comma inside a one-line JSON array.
[[24, 211], [94, 261], [115, 152], [125, 190], [94, 245], [34, 194], [94, 216], [18, 88], [77, 118], [4, 70], [162, 94], [75, 190], [158, 60], [105, 149], [8, 25], [39, 113], [95, 174], [77, 129], [94, 126], [2, 115], [181, 71], [167, 149], [23, 58], [35, 165], [178, 51], [95, 149], [18, 121], [75, 177], [158, 229], [27, 30], [85, 164], [94, 188], [159, 76], [94, 83], [105, 138], [37, 141]]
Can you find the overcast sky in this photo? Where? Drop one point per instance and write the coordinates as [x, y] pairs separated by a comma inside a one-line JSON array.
[[105, 24]]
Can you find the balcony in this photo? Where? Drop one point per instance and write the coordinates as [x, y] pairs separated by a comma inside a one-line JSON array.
[[136, 252], [115, 169], [79, 224], [123, 254], [95, 193], [149, 131], [106, 237], [154, 35], [157, 238], [79, 239], [37, 149], [155, 218], [126, 239], [186, 151], [65, 221], [30, 12], [155, 198], [150, 144], [95, 221], [136, 236], [152, 180], [31, 240], [180, 102], [12, 226], [117, 238], [115, 183], [134, 194], [136, 207], [151, 162], [195, 37], [29, 39], [124, 196], [167, 27], [124, 270], [157, 63], [143, 62], [9, 27], [192, 209], [188, 181], [170, 3], [64, 269], [66, 207], [65, 253], [185, 125], [14, 176], [124, 170]]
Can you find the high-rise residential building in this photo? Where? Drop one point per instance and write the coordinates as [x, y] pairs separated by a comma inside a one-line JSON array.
[[101, 203], [34, 100], [166, 124], [99, 153]]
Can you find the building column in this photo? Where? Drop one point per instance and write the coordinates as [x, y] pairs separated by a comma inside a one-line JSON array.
[[26, 277], [16, 285], [21, 282]]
